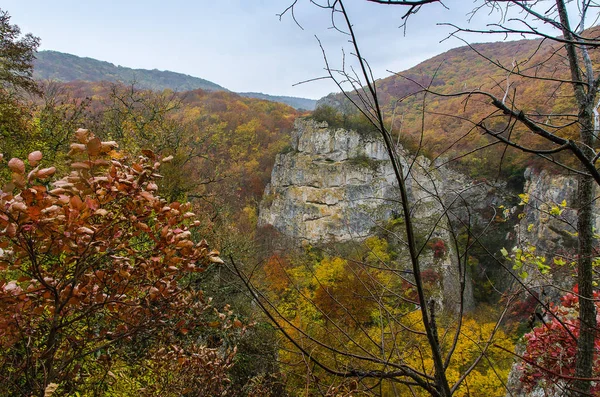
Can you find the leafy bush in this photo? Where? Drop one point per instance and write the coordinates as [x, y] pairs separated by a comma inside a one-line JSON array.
[[350, 121], [94, 289], [549, 358]]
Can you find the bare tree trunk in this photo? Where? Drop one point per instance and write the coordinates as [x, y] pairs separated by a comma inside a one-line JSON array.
[[587, 310], [585, 94]]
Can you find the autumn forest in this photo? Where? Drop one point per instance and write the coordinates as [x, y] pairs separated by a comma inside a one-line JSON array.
[[430, 233]]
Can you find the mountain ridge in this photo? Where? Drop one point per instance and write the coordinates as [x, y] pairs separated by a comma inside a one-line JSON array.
[[449, 129], [63, 67]]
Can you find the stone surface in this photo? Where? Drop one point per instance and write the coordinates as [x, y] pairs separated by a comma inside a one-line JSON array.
[[337, 185], [550, 234], [333, 185]]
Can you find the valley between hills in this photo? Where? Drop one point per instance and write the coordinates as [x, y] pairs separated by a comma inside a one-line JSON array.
[[161, 235]]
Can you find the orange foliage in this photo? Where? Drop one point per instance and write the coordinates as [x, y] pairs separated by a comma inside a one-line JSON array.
[[450, 126]]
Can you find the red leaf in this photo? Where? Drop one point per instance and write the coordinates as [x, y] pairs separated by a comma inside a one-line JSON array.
[[91, 203]]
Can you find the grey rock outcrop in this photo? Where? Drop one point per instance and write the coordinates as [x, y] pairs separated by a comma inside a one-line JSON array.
[[550, 224], [337, 185], [545, 190], [333, 185]]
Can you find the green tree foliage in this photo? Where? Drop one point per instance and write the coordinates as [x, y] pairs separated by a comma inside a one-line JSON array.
[[58, 66], [350, 120], [16, 56], [16, 67]]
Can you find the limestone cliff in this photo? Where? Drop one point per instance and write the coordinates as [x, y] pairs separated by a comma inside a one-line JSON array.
[[550, 224], [338, 185], [331, 185], [545, 190]]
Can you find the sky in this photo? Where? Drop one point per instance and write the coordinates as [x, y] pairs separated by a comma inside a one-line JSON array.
[[239, 44]]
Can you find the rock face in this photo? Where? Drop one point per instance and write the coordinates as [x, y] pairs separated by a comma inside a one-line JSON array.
[[550, 224], [544, 190], [333, 185], [338, 185], [552, 233]]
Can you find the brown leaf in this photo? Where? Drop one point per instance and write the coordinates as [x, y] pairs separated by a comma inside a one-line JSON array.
[[94, 147], [149, 153], [80, 166], [91, 203], [76, 202], [85, 230], [108, 146], [76, 148], [82, 135], [147, 195], [215, 259], [18, 206], [46, 172], [18, 179], [34, 158], [101, 212], [16, 165], [186, 244], [101, 162], [34, 212], [11, 230], [137, 167], [32, 174]]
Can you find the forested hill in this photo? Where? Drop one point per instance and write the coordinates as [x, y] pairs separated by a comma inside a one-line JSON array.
[[54, 65], [58, 66], [449, 126], [295, 102]]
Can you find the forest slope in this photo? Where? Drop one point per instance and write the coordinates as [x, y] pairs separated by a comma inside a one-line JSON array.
[[58, 66], [54, 65], [529, 69]]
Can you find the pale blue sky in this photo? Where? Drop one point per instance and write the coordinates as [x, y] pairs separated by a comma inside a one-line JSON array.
[[239, 44]]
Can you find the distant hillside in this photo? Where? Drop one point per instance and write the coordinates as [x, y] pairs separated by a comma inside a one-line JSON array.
[[448, 128], [295, 102], [53, 65], [58, 66]]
